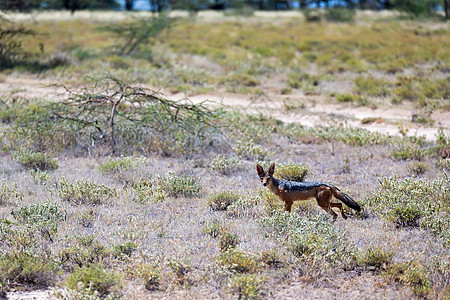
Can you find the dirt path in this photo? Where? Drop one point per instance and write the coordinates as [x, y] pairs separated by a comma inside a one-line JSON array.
[[314, 110]]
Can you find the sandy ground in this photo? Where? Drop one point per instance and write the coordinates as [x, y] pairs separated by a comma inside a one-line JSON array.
[[315, 111]]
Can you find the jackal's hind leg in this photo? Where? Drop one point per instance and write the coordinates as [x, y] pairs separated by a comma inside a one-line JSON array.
[[287, 206], [341, 209], [324, 201]]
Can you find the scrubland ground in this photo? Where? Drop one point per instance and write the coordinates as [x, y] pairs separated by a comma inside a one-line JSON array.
[[110, 189]]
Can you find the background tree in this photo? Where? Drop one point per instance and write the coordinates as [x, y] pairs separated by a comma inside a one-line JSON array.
[[129, 4]]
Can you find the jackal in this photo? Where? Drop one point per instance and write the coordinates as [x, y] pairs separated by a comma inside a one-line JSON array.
[[290, 191]]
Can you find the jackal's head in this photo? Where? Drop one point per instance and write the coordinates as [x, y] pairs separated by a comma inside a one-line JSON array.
[[266, 177]]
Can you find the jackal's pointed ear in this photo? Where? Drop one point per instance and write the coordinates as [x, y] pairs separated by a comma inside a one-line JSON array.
[[271, 169], [259, 170]]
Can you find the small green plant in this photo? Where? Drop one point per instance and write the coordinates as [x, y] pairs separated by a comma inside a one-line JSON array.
[[9, 193], [35, 160], [411, 274], [271, 258], [41, 177], [124, 250], [214, 228], [222, 200], [121, 164], [407, 150], [238, 261], [94, 277], [292, 171], [185, 185], [87, 218], [414, 202], [246, 286], [368, 85], [23, 268], [180, 270], [376, 258], [340, 14], [418, 168], [84, 192], [84, 251], [148, 190], [226, 166], [312, 15], [228, 240], [250, 150], [149, 273], [41, 216]]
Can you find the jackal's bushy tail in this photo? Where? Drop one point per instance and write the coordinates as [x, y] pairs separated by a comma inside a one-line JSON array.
[[346, 199]]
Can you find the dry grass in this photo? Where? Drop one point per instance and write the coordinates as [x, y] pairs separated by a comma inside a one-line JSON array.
[[194, 222]]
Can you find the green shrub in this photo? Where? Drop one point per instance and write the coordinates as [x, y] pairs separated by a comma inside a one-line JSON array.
[[414, 202], [367, 85], [251, 151], [148, 190], [311, 236], [271, 258], [22, 268], [291, 171], [226, 166], [35, 160], [43, 217], [150, 274], [180, 270], [214, 228], [312, 15], [222, 200], [417, 168], [246, 286], [121, 164], [238, 261], [85, 251], [84, 192], [124, 250], [94, 277], [228, 240], [41, 177], [376, 258], [406, 150], [185, 185], [411, 274], [339, 14], [9, 193]]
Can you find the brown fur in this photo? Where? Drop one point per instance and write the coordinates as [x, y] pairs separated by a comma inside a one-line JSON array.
[[289, 192]]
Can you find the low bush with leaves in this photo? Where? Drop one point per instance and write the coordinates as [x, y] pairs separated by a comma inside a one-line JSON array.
[[375, 258], [291, 171], [180, 271], [9, 194], [94, 277], [83, 251], [121, 164], [311, 236], [246, 286], [43, 217], [155, 189], [226, 166], [149, 273], [411, 274], [221, 201], [238, 261], [35, 160], [84, 192], [251, 151], [414, 203], [26, 269], [227, 241]]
